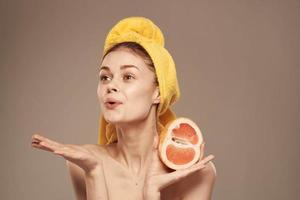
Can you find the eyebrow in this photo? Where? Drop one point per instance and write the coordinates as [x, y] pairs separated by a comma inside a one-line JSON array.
[[122, 67]]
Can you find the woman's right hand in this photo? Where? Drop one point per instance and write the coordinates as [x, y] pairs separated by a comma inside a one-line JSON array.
[[157, 178], [79, 155]]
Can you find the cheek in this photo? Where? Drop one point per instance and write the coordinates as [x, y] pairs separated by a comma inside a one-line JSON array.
[[139, 95], [100, 93]]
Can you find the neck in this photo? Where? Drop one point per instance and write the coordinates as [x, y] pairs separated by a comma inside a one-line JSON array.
[[135, 143]]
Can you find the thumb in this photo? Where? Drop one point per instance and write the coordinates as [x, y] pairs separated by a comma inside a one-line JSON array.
[[156, 142]]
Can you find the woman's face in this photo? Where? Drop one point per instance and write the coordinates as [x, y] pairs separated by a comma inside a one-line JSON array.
[[125, 78]]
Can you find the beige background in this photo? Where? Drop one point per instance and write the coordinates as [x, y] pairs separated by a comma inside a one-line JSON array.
[[238, 68]]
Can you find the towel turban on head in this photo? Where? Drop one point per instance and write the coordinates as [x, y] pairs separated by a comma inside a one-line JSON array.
[[143, 31]]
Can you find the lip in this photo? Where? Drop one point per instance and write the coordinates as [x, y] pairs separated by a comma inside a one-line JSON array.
[[112, 103], [111, 99]]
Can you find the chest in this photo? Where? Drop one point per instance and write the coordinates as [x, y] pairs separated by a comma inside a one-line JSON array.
[[122, 185]]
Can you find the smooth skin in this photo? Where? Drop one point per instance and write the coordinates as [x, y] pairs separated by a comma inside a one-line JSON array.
[[131, 168]]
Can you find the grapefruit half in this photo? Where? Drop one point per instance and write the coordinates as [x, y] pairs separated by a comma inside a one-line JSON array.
[[179, 145]]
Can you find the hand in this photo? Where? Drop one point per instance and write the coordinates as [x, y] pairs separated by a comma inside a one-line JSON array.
[[79, 155], [157, 178]]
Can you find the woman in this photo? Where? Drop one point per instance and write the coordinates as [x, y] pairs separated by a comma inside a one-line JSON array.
[[137, 86]]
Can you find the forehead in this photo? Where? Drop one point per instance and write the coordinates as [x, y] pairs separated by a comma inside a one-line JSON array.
[[116, 60]]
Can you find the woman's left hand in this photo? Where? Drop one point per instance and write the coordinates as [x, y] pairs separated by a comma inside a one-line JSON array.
[[157, 178]]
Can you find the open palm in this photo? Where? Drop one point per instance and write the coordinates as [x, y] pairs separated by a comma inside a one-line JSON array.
[[80, 155], [157, 178]]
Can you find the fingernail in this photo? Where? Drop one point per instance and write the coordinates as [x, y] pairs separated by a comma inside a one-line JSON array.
[[42, 143]]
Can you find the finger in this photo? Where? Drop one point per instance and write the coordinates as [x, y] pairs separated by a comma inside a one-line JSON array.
[[205, 160], [69, 152], [156, 142], [65, 151], [202, 150], [38, 137], [37, 142], [43, 146], [173, 177], [72, 152], [155, 161], [38, 146], [156, 165], [177, 175], [44, 143], [48, 143]]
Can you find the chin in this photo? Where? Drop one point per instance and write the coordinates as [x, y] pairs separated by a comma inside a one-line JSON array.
[[112, 118]]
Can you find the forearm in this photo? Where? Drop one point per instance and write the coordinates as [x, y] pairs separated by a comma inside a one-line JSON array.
[[95, 186]]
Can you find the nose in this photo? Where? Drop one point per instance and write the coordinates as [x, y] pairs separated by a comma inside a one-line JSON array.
[[109, 90], [111, 87]]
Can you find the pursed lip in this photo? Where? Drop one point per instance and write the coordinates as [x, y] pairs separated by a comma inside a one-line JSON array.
[[112, 100], [112, 103]]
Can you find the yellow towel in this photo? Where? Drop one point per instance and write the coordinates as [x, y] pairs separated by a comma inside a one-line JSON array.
[[144, 32]]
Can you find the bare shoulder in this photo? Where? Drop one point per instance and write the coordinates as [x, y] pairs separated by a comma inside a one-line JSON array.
[[198, 185]]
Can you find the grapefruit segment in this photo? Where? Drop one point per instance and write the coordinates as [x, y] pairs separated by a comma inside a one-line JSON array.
[[187, 132], [179, 156]]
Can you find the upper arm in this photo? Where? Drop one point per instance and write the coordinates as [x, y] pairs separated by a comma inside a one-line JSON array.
[[78, 181], [201, 184]]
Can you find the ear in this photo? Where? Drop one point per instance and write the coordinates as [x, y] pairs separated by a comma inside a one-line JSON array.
[[156, 96]]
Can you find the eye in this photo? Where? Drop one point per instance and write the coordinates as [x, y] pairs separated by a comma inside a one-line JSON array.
[[128, 77], [104, 77]]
